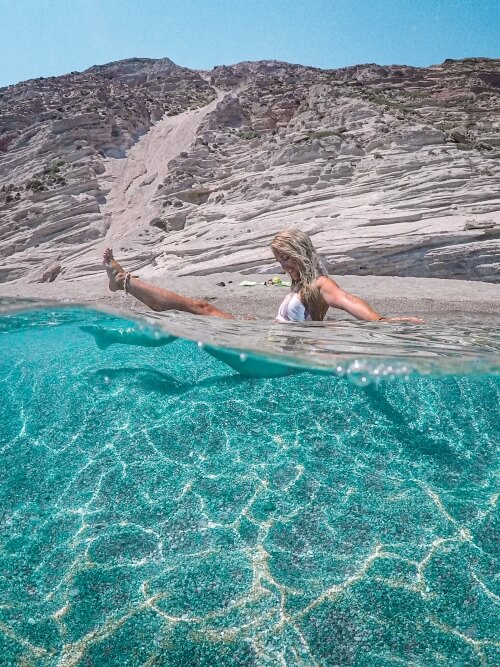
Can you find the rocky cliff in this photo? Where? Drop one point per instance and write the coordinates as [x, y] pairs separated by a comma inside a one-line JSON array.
[[392, 170]]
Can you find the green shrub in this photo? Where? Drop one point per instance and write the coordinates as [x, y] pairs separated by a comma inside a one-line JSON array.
[[322, 134], [51, 171], [248, 134]]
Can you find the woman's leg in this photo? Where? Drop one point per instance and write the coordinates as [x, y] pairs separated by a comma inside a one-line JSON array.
[[105, 337], [156, 298]]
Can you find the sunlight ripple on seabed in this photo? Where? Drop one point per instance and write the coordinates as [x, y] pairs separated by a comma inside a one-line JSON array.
[[322, 495]]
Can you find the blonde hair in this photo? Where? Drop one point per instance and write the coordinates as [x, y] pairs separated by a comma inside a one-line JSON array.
[[298, 246]]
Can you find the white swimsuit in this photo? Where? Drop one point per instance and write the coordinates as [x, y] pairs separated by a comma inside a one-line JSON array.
[[292, 310]]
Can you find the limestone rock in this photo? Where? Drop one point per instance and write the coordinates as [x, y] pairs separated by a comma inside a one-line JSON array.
[[51, 273], [392, 170], [47, 272]]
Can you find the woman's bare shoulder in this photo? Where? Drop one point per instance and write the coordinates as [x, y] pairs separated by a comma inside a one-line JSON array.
[[324, 281]]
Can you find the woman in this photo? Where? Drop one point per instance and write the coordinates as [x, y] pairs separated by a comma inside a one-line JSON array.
[[312, 292]]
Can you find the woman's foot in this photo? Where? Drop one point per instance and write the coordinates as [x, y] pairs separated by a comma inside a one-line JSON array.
[[116, 273]]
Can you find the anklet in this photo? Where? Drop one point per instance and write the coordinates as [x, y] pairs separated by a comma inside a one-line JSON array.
[[126, 283]]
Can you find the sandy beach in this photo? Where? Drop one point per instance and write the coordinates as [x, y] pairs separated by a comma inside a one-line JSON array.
[[390, 295]]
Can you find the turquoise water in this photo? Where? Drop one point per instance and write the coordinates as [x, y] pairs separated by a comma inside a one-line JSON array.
[[159, 508]]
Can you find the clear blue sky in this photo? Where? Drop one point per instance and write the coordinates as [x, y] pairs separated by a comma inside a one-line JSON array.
[[52, 37]]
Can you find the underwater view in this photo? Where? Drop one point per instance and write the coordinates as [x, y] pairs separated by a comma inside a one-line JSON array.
[[189, 491]]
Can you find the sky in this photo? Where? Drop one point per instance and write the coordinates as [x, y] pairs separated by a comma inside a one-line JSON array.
[[53, 37]]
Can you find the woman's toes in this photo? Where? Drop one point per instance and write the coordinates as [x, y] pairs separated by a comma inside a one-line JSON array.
[[116, 272]]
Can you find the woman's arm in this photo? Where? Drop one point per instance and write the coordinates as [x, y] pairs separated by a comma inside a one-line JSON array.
[[336, 297]]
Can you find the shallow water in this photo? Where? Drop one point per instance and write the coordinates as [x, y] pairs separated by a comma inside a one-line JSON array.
[[334, 503]]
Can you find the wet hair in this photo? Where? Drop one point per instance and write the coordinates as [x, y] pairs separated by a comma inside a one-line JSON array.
[[298, 246]]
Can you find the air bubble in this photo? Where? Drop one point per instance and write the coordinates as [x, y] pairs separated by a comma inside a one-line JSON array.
[[358, 379], [243, 356]]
